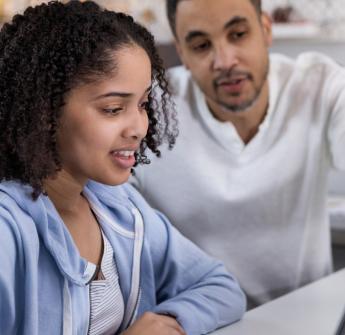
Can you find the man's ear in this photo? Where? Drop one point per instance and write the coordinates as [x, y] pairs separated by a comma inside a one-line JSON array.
[[266, 23], [180, 53]]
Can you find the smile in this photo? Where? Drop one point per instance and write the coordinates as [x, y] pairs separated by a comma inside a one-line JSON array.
[[123, 153], [123, 159]]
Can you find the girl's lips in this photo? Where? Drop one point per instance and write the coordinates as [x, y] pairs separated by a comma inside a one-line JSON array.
[[123, 159]]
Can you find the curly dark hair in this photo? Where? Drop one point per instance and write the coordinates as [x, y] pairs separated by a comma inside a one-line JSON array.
[[46, 52], [171, 7]]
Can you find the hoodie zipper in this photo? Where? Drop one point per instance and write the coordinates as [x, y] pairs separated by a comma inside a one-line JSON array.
[[135, 311], [67, 310], [89, 325], [89, 293], [133, 299]]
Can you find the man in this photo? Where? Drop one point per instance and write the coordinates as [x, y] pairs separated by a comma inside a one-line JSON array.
[[247, 180]]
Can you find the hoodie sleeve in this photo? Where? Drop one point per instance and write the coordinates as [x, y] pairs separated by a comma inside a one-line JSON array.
[[10, 277], [190, 285]]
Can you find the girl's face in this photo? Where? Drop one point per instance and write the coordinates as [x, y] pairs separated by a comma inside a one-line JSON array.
[[103, 122]]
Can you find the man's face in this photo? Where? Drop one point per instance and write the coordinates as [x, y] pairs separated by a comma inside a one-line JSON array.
[[225, 46]]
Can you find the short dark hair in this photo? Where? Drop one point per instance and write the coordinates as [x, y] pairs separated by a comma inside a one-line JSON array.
[[46, 52], [171, 6]]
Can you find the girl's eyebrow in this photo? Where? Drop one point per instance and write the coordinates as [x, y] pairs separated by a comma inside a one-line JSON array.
[[119, 94], [114, 94]]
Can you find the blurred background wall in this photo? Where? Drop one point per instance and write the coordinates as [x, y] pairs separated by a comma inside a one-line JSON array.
[[328, 15]]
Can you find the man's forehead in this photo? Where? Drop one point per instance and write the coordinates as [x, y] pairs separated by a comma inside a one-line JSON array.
[[204, 16], [211, 5], [194, 14]]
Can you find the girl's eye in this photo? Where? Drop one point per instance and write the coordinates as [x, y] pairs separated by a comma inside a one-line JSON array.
[[112, 111]]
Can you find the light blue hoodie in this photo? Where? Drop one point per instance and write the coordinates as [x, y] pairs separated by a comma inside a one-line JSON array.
[[44, 281]]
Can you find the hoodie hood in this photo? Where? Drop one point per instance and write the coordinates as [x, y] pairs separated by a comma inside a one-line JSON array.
[[50, 228]]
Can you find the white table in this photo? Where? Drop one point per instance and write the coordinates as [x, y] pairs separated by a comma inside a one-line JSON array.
[[315, 309]]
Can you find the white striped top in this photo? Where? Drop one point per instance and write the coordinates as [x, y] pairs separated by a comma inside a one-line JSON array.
[[107, 306]]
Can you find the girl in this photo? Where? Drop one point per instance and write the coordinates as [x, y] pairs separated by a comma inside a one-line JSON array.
[[80, 251]]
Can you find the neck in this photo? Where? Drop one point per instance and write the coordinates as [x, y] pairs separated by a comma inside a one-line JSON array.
[[246, 122], [65, 192]]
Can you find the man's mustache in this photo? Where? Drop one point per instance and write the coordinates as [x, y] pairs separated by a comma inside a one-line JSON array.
[[230, 76]]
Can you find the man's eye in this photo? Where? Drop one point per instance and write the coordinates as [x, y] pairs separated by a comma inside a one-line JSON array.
[[112, 111], [201, 46], [238, 35]]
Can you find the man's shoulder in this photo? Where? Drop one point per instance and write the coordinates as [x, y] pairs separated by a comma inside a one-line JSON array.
[[312, 58], [179, 79], [308, 69], [304, 62], [178, 72]]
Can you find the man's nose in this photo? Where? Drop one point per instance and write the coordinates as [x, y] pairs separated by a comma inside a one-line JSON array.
[[225, 57]]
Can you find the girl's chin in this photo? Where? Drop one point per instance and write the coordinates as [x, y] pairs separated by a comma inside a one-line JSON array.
[[118, 180]]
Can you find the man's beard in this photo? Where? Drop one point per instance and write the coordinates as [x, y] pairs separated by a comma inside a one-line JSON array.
[[245, 105]]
